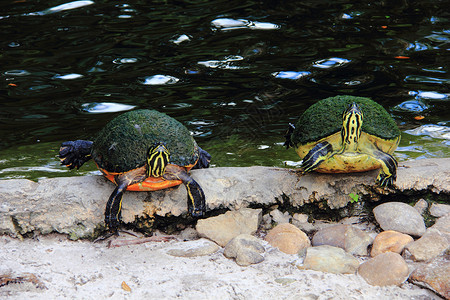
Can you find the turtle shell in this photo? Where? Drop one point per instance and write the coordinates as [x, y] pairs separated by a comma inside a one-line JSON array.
[[123, 143], [324, 118]]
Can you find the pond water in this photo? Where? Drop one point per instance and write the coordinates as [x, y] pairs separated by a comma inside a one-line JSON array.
[[234, 72]]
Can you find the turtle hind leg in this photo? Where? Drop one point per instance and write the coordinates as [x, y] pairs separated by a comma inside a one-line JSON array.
[[288, 142], [203, 160], [320, 152], [388, 171], [196, 197], [74, 154]]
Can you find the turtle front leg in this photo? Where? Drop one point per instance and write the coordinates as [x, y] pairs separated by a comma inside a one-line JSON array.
[[388, 171], [196, 198], [320, 152], [74, 154]]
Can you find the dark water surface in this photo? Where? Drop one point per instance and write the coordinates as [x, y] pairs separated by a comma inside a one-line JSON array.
[[234, 72]]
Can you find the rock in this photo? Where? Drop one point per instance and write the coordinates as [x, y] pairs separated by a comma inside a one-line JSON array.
[[329, 259], [399, 217], [189, 234], [387, 268], [193, 248], [430, 245], [390, 241], [75, 205], [352, 240], [246, 249], [301, 222], [439, 210], [279, 217], [443, 226], [434, 275], [288, 238], [421, 206], [223, 228]]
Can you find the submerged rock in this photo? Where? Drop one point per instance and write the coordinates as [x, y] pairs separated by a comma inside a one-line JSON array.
[[400, 217]]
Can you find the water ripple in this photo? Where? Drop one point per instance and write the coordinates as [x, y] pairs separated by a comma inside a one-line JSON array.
[[159, 80], [105, 107], [330, 63], [229, 24], [432, 130], [290, 74]]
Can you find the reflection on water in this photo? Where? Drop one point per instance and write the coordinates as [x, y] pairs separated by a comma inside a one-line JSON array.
[[235, 73]]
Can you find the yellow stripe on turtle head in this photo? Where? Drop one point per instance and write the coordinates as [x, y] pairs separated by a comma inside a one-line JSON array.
[[157, 159]]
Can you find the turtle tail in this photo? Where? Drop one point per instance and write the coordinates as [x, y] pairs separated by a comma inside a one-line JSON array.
[[74, 154], [203, 160]]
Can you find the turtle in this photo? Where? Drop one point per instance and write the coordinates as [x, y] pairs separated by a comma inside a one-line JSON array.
[[344, 134], [141, 150]]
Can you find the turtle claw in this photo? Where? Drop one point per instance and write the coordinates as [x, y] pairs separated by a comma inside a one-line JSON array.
[[106, 236], [74, 154]]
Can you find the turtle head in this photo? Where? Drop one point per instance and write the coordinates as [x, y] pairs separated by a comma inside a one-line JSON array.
[[352, 120], [157, 159]]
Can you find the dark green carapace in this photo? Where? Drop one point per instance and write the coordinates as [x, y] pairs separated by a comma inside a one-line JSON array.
[[324, 118], [123, 143]]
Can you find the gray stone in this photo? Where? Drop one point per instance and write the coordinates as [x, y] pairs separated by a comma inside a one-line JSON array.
[[75, 205], [387, 268], [246, 249], [221, 229], [352, 240], [439, 210], [400, 217], [429, 246], [329, 259], [421, 206], [443, 226], [279, 217], [434, 275], [194, 248]]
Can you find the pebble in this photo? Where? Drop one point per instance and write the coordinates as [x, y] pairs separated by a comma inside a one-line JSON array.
[[429, 246], [347, 237], [279, 217], [421, 206], [391, 241], [194, 248], [221, 229], [387, 268], [301, 221], [439, 210], [329, 259], [288, 238], [434, 275], [246, 249], [400, 217]]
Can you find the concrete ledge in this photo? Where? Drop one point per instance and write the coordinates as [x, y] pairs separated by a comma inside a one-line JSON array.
[[75, 205]]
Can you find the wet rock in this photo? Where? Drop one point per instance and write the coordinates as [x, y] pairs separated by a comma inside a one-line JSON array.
[[443, 226], [288, 238], [279, 217], [246, 249], [329, 259], [387, 268], [194, 248], [421, 206], [430, 245], [221, 229], [434, 275], [390, 241], [439, 210], [352, 240], [400, 217]]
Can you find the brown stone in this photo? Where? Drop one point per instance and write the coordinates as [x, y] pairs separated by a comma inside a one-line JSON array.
[[434, 275], [391, 241], [288, 238], [387, 268]]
